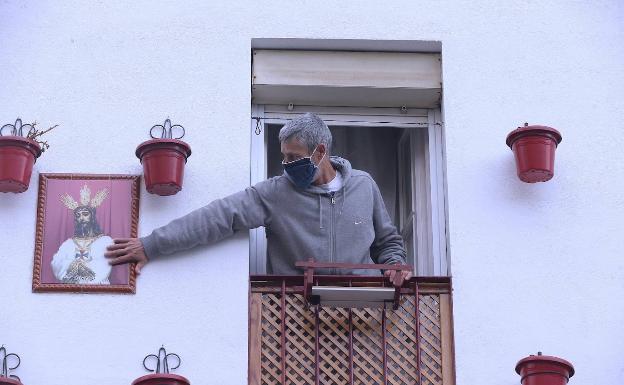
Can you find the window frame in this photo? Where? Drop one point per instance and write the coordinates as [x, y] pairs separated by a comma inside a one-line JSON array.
[[428, 173]]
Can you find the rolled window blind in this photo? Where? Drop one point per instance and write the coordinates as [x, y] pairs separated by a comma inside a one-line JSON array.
[[344, 78]]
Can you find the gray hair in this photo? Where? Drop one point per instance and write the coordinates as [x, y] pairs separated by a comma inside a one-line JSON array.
[[309, 129]]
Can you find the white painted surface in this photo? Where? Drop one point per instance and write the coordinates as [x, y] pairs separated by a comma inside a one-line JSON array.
[[345, 78], [536, 267], [346, 69]]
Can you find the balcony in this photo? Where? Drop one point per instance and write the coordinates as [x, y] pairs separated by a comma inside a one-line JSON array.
[[293, 341]]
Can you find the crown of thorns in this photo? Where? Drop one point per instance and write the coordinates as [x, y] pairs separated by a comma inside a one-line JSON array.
[[85, 198]]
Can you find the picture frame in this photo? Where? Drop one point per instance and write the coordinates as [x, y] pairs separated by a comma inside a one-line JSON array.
[[78, 216]]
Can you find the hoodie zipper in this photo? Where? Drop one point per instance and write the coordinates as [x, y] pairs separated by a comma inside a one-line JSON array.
[[332, 230]]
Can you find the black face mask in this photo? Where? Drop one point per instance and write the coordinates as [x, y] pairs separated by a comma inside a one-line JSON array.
[[302, 171]]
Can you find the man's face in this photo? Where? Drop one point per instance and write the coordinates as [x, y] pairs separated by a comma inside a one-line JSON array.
[[294, 150], [83, 216]]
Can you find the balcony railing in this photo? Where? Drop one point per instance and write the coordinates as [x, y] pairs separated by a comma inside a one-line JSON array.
[[294, 341]]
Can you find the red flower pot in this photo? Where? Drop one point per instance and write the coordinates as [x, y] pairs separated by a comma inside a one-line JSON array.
[[163, 164], [17, 157], [161, 379], [544, 370], [534, 149], [9, 381]]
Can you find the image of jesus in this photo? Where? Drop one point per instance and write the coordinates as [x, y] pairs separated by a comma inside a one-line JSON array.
[[80, 259]]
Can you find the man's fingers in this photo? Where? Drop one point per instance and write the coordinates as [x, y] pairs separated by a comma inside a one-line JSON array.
[[139, 266], [398, 279], [122, 240], [390, 274], [116, 253], [122, 259], [115, 246], [405, 276]]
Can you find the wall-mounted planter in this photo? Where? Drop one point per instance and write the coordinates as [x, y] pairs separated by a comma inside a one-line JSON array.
[[544, 370], [5, 367], [161, 379], [534, 150], [9, 381], [161, 375], [17, 157], [163, 161]]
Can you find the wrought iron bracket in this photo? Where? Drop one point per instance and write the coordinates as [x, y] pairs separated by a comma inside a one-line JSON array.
[[4, 363], [162, 361]]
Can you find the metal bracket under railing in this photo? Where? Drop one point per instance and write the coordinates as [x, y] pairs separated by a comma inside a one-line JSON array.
[[350, 296]]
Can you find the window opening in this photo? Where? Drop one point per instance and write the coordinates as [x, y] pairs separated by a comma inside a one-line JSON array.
[[397, 151]]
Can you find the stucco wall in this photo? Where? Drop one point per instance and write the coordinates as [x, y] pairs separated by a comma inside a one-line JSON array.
[[536, 267]]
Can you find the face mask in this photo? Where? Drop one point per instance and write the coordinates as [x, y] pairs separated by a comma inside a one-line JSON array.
[[302, 171]]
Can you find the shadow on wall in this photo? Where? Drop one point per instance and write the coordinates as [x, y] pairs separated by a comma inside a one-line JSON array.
[[523, 193]]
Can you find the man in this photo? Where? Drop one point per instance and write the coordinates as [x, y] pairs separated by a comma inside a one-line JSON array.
[[80, 259], [320, 207]]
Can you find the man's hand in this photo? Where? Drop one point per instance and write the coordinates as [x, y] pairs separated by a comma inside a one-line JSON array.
[[127, 250], [397, 277]]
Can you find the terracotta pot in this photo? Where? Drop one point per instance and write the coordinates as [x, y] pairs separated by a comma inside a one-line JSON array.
[[534, 149], [544, 370], [163, 164], [9, 381], [17, 157], [161, 379]]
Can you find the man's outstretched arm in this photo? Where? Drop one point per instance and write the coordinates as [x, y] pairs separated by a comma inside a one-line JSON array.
[[209, 224]]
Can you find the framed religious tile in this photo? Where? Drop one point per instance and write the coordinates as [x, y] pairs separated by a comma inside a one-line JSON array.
[[78, 216]]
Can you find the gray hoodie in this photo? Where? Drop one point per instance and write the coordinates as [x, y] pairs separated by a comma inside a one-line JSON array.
[[350, 225]]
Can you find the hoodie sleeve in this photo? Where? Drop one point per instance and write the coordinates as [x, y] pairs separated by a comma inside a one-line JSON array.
[[387, 247], [209, 224]]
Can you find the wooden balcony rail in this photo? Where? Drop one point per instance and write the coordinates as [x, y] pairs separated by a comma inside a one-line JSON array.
[[292, 341]]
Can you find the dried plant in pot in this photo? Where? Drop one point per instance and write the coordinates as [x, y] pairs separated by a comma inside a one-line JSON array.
[[161, 375], [18, 154], [164, 159]]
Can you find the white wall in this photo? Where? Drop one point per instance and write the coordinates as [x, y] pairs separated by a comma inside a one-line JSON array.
[[536, 267]]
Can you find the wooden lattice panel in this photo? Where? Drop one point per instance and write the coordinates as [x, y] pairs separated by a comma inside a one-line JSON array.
[[430, 340], [299, 342], [351, 346], [333, 346], [367, 346], [271, 340], [401, 343]]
